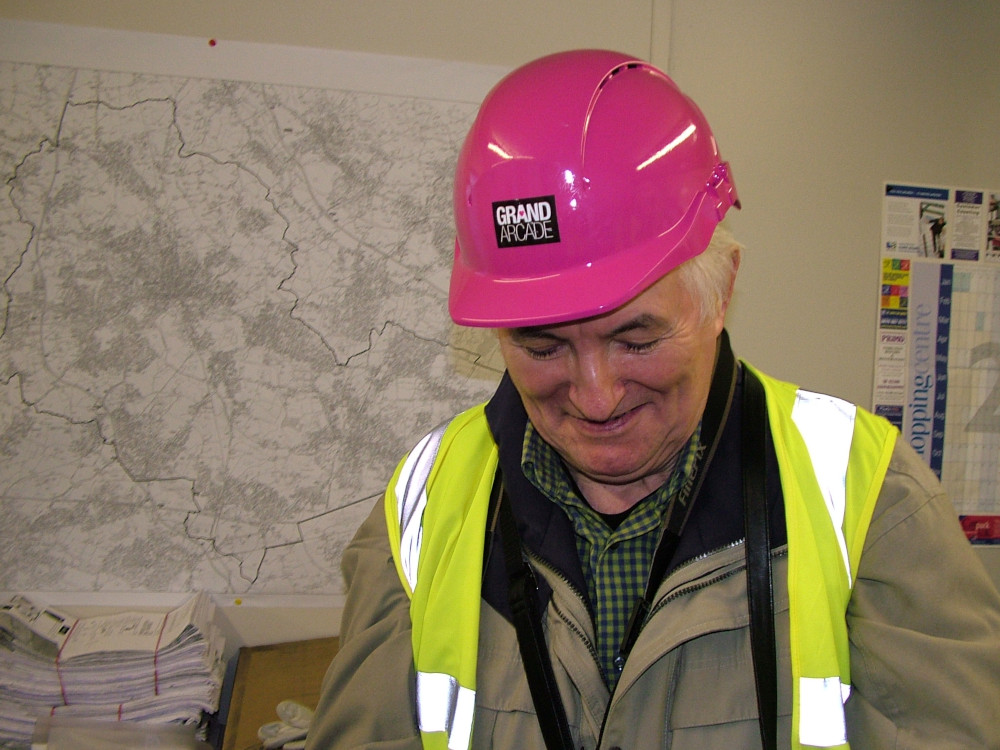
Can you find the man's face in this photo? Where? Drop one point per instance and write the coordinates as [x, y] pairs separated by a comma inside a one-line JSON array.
[[618, 395]]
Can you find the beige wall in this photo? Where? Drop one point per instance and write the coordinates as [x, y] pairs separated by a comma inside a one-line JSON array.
[[496, 33], [814, 102]]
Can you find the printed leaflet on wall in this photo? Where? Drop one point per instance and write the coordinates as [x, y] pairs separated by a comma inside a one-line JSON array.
[[937, 365]]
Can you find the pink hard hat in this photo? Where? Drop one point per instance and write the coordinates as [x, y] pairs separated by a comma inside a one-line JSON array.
[[586, 176]]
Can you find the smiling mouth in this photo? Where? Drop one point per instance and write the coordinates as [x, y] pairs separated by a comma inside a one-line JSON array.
[[609, 425]]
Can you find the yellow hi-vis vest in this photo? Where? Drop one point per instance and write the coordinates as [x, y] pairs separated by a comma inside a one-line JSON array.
[[832, 459]]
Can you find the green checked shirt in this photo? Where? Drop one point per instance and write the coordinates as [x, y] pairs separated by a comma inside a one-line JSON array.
[[616, 561]]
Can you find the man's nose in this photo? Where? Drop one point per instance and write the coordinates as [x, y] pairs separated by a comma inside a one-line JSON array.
[[595, 387]]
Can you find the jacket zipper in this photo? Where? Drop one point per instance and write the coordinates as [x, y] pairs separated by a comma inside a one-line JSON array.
[[688, 588], [683, 590], [591, 648]]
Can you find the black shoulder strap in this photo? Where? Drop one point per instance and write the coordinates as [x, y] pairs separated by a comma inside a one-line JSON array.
[[530, 636], [760, 594]]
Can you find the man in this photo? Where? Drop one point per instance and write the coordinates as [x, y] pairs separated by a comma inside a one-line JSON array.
[[639, 541]]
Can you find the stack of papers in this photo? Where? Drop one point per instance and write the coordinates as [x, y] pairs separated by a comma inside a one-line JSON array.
[[131, 666]]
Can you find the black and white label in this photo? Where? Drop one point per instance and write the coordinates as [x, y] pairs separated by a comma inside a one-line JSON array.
[[528, 221]]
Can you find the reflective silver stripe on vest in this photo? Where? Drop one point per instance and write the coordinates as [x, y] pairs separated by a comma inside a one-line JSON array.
[[445, 706], [827, 426], [821, 711], [411, 499]]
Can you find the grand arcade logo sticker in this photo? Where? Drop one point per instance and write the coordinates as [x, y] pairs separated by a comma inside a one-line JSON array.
[[527, 221]]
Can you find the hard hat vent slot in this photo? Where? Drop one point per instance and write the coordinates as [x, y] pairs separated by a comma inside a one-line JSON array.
[[615, 71]]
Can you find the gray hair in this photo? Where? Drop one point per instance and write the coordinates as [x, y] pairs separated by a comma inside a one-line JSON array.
[[709, 276]]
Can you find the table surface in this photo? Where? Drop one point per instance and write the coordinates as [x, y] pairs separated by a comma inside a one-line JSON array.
[[267, 675]]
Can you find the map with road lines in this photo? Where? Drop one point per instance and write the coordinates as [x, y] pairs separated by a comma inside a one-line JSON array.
[[223, 320]]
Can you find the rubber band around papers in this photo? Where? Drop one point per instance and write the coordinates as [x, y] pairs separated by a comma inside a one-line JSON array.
[[62, 686], [156, 655]]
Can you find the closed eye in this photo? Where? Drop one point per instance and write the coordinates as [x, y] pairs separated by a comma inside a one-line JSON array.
[[538, 344], [640, 347], [541, 352]]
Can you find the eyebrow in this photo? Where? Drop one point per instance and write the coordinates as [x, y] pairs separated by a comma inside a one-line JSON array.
[[638, 323]]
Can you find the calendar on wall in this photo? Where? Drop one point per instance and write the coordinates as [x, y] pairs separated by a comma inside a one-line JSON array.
[[937, 361]]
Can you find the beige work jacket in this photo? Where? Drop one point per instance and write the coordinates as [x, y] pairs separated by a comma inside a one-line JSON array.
[[924, 626]]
